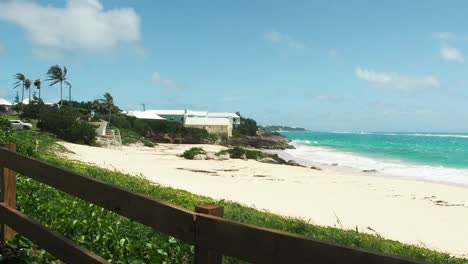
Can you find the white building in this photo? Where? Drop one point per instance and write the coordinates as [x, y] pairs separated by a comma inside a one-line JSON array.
[[220, 123], [235, 119], [218, 126], [5, 105]]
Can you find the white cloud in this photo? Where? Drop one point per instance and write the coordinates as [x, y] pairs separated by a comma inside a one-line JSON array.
[[397, 81], [452, 54], [82, 25], [444, 36], [279, 38], [156, 77]]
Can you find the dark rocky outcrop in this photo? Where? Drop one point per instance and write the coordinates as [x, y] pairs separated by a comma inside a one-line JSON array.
[[263, 140]]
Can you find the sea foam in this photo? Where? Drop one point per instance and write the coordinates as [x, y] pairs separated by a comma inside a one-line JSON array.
[[350, 161]]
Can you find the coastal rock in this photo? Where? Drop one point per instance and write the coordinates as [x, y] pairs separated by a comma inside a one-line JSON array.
[[243, 157], [370, 171], [199, 157], [335, 164], [224, 157], [268, 160], [293, 163], [315, 168], [210, 156]]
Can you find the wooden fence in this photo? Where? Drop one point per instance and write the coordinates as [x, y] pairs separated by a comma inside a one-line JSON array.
[[212, 235]]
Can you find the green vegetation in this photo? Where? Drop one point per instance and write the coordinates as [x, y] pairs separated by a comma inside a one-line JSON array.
[[191, 153], [238, 153], [148, 143], [65, 122], [247, 127]]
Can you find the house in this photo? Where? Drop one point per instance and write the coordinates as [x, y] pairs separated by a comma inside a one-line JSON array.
[[235, 119], [5, 105], [218, 126]]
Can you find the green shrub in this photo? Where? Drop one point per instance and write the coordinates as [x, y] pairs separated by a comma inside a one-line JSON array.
[[148, 143], [247, 127], [191, 153], [66, 124], [238, 153]]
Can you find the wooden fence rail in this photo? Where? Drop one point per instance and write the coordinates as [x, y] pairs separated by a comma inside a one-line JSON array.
[[212, 235]]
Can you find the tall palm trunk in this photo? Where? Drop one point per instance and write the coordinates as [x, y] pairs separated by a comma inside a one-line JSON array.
[[22, 94], [39, 94], [29, 95], [61, 94], [69, 93]]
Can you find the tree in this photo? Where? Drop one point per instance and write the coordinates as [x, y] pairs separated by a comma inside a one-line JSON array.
[[20, 81], [108, 103], [37, 83], [27, 86], [57, 75], [17, 97]]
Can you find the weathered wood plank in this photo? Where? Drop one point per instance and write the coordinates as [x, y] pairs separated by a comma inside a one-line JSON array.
[[262, 245], [8, 182], [164, 217], [57, 245], [205, 255]]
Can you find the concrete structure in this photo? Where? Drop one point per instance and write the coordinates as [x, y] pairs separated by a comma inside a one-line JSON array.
[[218, 126], [101, 128]]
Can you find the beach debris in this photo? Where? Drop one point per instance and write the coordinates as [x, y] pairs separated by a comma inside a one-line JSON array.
[[370, 171], [268, 160], [334, 164], [224, 157], [199, 157], [315, 168]]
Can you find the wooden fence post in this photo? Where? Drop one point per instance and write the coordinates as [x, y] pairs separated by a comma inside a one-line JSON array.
[[203, 255], [8, 195]]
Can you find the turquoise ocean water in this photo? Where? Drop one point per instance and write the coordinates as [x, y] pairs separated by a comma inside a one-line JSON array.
[[432, 156]]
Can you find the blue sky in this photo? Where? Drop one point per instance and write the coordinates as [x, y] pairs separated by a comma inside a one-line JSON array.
[[323, 65]]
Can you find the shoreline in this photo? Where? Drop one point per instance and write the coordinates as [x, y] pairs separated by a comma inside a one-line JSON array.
[[416, 212], [452, 176], [353, 171]]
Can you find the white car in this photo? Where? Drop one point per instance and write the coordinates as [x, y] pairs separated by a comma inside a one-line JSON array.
[[18, 124]]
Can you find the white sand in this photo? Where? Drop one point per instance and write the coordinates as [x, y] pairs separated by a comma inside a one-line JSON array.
[[416, 212]]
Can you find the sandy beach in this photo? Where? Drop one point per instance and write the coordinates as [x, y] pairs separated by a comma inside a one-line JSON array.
[[415, 212]]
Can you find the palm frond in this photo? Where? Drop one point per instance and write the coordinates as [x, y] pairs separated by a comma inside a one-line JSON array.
[[67, 83], [54, 82], [20, 76], [64, 71]]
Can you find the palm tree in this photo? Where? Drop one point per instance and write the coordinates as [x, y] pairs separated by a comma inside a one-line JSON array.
[[57, 75], [27, 85], [108, 103], [37, 83], [20, 81]]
